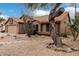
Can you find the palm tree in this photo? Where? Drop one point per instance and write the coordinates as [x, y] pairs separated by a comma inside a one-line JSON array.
[[54, 13], [34, 6]]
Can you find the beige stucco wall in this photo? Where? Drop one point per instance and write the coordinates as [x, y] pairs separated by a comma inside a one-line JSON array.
[[64, 28], [12, 29]]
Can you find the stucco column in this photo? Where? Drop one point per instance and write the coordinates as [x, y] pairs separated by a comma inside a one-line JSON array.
[[44, 27], [39, 28]]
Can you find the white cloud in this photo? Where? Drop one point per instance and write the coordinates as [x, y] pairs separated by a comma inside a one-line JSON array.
[[40, 12], [71, 11]]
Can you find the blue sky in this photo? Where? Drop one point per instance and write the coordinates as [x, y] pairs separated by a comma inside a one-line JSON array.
[[16, 9], [13, 9]]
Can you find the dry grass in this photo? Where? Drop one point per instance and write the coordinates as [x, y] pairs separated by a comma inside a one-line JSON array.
[[36, 45]]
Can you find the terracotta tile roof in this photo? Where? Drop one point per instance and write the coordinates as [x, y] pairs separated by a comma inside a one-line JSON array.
[[62, 16], [17, 20], [42, 19]]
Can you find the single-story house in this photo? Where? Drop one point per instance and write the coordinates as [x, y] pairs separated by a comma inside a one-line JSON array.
[[14, 25], [18, 25], [43, 24]]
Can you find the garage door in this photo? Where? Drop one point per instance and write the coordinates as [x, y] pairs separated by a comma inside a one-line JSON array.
[[12, 29]]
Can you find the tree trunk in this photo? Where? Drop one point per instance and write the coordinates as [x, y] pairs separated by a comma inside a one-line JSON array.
[[55, 37], [57, 11]]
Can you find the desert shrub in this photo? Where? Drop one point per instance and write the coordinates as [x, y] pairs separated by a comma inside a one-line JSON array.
[[74, 27]]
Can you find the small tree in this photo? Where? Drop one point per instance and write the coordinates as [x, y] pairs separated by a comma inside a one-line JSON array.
[[1, 19], [74, 27]]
